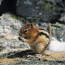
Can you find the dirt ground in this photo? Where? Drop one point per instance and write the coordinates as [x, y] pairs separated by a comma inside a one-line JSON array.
[[23, 57]]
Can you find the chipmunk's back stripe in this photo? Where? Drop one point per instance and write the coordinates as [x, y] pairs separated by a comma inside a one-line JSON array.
[[42, 29], [44, 32], [41, 33]]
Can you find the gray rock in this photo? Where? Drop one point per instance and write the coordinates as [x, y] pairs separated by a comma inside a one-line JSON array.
[[46, 10], [38, 8], [62, 18], [58, 31], [58, 1], [28, 2], [9, 29]]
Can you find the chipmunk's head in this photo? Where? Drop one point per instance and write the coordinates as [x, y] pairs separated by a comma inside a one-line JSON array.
[[28, 31]]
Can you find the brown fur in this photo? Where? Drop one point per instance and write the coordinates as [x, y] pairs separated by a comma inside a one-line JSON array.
[[38, 39]]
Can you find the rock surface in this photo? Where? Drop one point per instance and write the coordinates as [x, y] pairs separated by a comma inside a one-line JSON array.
[[46, 10], [9, 29]]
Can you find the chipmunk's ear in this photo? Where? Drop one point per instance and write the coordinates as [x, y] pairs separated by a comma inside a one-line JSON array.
[[32, 26]]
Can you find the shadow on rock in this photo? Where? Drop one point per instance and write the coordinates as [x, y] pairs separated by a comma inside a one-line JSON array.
[[21, 54]]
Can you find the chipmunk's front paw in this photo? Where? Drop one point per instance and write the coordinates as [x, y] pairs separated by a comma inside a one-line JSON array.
[[22, 39]]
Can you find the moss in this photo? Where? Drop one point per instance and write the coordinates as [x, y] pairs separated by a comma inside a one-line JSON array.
[[15, 19], [44, 0], [54, 3], [21, 18], [36, 23], [58, 8], [48, 6]]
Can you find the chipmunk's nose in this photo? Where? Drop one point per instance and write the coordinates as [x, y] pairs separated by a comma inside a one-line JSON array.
[[20, 34]]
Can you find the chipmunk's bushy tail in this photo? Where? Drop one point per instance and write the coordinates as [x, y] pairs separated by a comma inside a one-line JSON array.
[[49, 30]]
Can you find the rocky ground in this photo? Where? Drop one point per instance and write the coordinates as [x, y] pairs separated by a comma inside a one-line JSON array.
[[15, 52]]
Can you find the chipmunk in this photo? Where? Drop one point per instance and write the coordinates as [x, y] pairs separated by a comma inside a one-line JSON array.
[[37, 38]]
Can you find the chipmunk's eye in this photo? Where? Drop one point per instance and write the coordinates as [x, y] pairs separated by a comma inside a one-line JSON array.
[[25, 31]]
